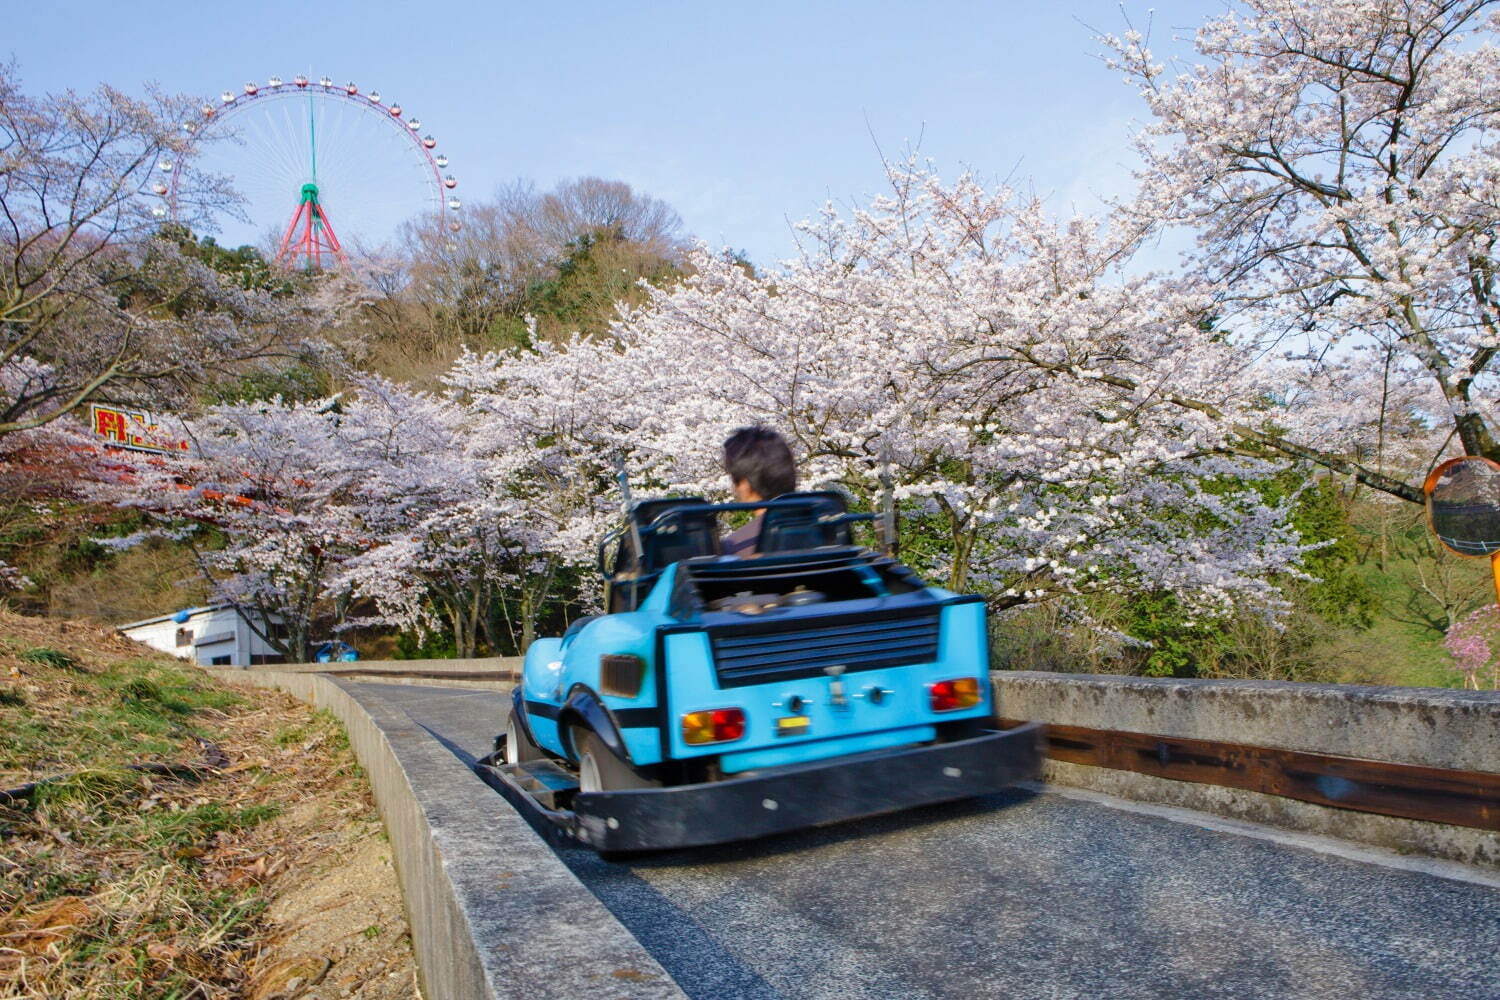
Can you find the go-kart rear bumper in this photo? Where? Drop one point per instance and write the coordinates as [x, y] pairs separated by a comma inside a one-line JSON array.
[[792, 798]]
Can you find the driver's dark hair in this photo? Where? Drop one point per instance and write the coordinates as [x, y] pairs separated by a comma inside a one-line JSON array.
[[761, 457]]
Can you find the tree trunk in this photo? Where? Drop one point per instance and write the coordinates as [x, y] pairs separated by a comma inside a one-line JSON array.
[[528, 621], [463, 639]]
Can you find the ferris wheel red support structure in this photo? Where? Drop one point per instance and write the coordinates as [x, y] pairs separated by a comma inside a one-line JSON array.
[[309, 236]]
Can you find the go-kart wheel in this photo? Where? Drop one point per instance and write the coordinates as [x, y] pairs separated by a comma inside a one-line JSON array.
[[601, 771], [518, 748]]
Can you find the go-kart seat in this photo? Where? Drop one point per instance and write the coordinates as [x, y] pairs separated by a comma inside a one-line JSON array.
[[804, 521], [685, 536]]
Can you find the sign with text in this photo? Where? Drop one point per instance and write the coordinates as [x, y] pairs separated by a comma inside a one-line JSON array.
[[136, 430]]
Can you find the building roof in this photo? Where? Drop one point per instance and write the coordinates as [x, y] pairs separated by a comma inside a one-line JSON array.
[[192, 613]]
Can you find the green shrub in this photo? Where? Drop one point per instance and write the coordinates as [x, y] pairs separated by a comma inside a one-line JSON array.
[[191, 826], [54, 658]]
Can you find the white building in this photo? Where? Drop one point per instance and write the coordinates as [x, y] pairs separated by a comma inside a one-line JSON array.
[[212, 636]]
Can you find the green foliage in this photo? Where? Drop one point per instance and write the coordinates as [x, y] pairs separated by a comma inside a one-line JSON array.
[[1340, 595], [193, 826], [600, 269], [298, 382], [1315, 640], [82, 555], [288, 735], [508, 333], [17, 532], [1178, 640], [433, 645], [243, 265], [54, 658], [167, 686], [125, 712], [91, 787], [144, 694]]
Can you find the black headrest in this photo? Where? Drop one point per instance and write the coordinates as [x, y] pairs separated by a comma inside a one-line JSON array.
[[685, 536], [804, 521]]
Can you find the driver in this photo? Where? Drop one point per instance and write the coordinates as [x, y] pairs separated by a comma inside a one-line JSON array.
[[760, 467]]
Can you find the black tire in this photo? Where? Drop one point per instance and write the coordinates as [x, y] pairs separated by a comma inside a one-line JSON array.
[[518, 746], [598, 767]]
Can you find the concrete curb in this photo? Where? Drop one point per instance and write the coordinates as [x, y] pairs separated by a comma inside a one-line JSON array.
[[493, 911]]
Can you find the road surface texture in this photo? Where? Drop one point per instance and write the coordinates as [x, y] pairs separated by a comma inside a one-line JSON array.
[[1025, 895]]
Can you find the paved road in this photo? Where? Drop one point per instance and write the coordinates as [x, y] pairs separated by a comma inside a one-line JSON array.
[[1027, 895]]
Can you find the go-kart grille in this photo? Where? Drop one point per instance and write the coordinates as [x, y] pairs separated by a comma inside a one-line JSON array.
[[755, 654]]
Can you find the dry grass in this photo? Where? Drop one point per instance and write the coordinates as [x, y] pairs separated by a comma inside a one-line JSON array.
[[118, 883], [135, 584]]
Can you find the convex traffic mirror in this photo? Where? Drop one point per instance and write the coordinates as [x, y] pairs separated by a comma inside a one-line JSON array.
[[1463, 505]]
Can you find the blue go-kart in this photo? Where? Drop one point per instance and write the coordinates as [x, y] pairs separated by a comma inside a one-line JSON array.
[[724, 698]]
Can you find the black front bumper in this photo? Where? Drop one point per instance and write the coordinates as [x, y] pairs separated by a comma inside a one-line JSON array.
[[792, 798]]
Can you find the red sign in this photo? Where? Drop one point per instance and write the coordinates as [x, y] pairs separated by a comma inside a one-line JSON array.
[[133, 429]]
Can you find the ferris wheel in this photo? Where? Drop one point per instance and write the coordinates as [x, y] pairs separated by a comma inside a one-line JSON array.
[[301, 153]]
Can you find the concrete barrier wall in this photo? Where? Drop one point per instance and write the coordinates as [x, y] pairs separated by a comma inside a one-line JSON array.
[[493, 911], [1425, 726], [485, 672]]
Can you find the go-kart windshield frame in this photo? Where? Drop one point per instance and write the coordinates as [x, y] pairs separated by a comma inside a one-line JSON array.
[[663, 522]]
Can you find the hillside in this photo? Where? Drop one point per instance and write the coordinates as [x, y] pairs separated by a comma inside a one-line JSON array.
[[225, 867]]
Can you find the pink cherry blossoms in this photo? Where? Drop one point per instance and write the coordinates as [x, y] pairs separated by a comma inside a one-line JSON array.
[[1474, 644]]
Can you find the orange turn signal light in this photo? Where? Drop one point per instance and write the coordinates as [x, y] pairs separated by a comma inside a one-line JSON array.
[[950, 696], [718, 725]]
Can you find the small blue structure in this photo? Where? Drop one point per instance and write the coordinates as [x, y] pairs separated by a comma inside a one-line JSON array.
[[335, 650]]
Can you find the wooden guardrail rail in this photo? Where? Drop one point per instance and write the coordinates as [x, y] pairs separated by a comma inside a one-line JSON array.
[[1410, 791]]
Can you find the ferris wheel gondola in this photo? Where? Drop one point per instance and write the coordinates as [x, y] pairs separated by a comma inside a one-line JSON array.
[[299, 151]]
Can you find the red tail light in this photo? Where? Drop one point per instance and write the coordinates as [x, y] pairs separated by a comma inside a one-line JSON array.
[[719, 725], [729, 724], [949, 696]]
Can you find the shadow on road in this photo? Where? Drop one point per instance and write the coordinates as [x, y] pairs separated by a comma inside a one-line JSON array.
[[821, 837]]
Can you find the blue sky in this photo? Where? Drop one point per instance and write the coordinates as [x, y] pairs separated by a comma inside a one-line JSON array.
[[742, 117]]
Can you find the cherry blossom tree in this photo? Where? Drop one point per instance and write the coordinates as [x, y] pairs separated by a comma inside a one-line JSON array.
[[431, 535], [1017, 387], [964, 343], [545, 433], [1337, 160], [1474, 644], [265, 500]]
